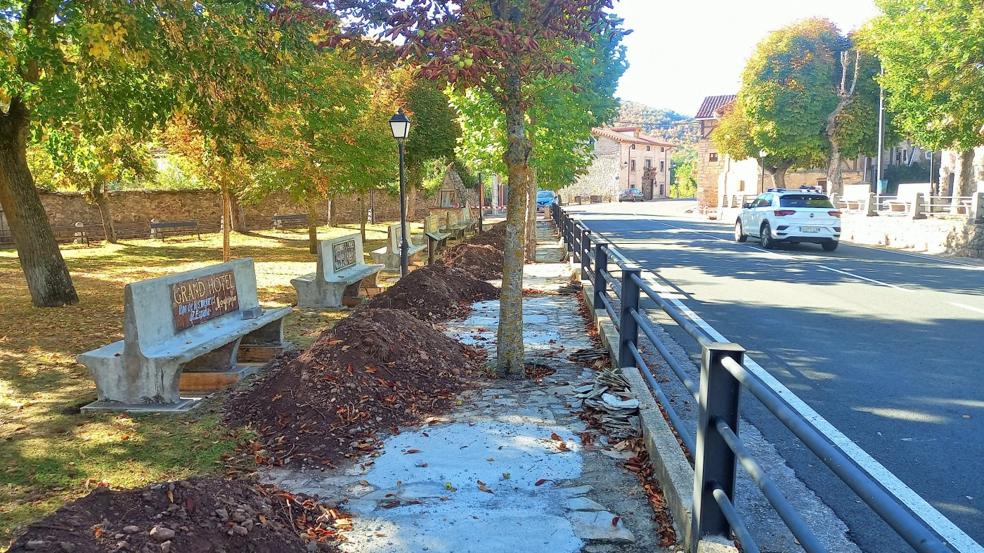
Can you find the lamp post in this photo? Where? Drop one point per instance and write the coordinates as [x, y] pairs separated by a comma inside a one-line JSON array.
[[481, 193], [400, 125]]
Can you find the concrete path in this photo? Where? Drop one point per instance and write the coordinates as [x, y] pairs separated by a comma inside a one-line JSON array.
[[506, 470]]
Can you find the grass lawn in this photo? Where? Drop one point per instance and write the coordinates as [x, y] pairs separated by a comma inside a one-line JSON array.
[[49, 452]]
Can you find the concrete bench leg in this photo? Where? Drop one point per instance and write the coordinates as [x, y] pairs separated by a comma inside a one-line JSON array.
[[213, 371]]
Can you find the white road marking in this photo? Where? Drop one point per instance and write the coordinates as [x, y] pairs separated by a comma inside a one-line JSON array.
[[945, 528], [968, 307]]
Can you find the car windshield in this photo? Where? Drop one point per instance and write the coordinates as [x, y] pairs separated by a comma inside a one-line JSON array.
[[805, 200], [544, 195]]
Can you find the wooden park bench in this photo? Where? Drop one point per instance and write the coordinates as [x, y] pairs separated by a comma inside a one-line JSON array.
[[340, 272], [437, 239], [184, 332], [389, 255], [160, 229], [296, 220]]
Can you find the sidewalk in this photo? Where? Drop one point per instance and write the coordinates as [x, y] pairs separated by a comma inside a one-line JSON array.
[[512, 468]]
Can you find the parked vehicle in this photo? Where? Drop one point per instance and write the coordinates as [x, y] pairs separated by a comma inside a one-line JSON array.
[[545, 198], [790, 216], [631, 195]]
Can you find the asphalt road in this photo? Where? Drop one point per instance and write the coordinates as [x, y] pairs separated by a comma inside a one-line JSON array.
[[887, 346]]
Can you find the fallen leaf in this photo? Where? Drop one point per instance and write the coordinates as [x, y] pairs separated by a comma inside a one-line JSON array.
[[541, 482], [484, 488], [615, 521], [411, 451], [556, 437]]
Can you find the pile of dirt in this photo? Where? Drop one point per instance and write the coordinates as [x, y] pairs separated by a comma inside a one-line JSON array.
[[198, 515], [435, 293], [479, 260], [494, 236], [375, 370]]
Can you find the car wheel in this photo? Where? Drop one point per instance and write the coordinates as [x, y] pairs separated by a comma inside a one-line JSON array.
[[829, 246], [740, 235], [766, 237]]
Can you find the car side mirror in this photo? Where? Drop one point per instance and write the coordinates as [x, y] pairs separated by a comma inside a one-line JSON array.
[[746, 205]]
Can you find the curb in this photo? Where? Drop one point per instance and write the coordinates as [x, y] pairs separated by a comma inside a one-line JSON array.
[[673, 471]]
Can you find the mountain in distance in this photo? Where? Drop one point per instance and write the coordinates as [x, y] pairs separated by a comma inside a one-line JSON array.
[[662, 123]]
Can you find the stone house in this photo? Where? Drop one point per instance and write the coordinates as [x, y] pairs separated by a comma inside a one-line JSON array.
[[624, 157]]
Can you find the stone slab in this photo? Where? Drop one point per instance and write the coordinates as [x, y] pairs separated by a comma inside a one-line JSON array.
[[600, 526], [183, 406]]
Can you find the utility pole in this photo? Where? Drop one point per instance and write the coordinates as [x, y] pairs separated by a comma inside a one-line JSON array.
[[881, 131]]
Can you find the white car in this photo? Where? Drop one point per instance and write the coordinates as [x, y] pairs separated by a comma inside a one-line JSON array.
[[790, 216]]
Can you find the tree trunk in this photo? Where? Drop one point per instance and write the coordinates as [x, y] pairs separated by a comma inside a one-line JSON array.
[[531, 220], [238, 217], [963, 180], [332, 212], [226, 221], [778, 174], [411, 202], [362, 217], [44, 268], [312, 207], [98, 191], [509, 347]]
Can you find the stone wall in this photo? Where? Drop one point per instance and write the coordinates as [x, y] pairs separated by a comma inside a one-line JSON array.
[[935, 235], [133, 210], [601, 178]]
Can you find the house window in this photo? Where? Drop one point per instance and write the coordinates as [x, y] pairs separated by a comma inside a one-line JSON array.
[[662, 166], [632, 165], [632, 147], [741, 186], [662, 149], [712, 157], [649, 163], [647, 148]]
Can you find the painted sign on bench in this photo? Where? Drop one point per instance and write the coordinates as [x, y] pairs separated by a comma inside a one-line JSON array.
[[343, 255], [197, 300]]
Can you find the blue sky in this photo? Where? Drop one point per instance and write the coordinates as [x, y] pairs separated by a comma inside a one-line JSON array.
[[681, 51]]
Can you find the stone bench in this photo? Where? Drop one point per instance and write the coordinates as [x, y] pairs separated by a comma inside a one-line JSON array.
[[459, 222], [184, 332], [389, 255], [339, 274], [437, 239]]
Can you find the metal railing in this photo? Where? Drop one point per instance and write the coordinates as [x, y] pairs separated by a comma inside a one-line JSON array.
[[718, 448]]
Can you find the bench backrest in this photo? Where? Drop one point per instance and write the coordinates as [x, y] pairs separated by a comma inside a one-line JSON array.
[[454, 217], [173, 224], [393, 236], [291, 217], [158, 309], [907, 191], [432, 224], [338, 254], [856, 191]]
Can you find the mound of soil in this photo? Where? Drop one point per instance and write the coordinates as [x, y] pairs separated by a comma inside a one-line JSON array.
[[435, 293], [494, 236], [479, 260], [198, 515], [376, 369]]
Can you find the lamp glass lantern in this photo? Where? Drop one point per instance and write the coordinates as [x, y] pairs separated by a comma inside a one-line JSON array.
[[400, 125]]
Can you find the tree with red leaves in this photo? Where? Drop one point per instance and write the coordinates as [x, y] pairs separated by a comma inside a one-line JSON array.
[[501, 46]]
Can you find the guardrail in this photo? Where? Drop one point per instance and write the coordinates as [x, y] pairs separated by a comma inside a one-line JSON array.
[[718, 447]]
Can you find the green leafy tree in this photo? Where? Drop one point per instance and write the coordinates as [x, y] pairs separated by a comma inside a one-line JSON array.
[[785, 99], [93, 162], [332, 138], [931, 52], [503, 46], [64, 64], [684, 173], [435, 129]]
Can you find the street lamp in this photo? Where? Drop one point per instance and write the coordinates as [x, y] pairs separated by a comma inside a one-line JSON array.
[[762, 154], [400, 125]]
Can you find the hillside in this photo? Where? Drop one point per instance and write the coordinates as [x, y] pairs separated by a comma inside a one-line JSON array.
[[665, 124]]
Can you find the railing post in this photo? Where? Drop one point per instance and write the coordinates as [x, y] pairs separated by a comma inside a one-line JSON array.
[[628, 330], [918, 206], [570, 233], [599, 282], [585, 250], [714, 462], [977, 205]]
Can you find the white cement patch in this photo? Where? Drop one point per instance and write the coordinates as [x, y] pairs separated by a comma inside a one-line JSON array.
[[432, 476]]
